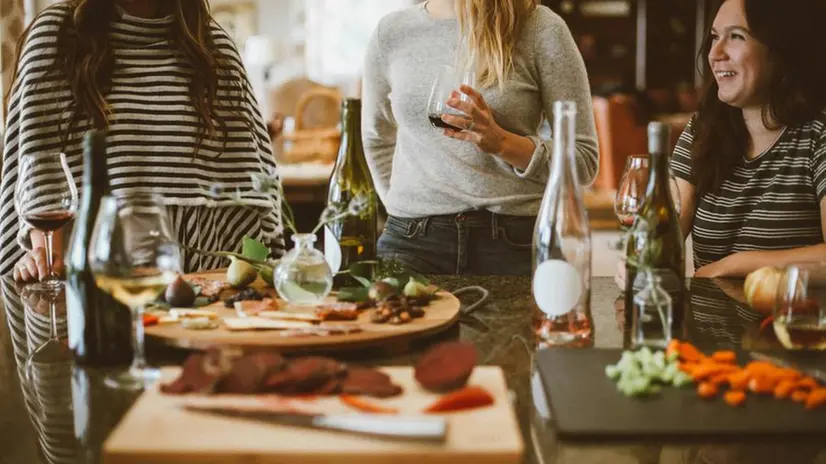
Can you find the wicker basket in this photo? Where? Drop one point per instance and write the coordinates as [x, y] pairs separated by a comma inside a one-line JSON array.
[[316, 136]]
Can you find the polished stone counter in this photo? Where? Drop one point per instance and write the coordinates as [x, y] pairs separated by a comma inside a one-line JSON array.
[[63, 413]]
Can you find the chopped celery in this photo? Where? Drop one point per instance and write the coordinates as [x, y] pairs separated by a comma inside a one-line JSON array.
[[644, 372]]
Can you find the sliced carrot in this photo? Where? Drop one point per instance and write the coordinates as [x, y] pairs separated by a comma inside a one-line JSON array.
[[734, 397], [707, 390], [800, 396], [816, 398], [739, 380], [690, 353], [784, 389], [149, 319], [807, 383], [726, 356], [708, 369], [762, 385], [760, 368], [719, 379], [366, 406], [465, 398], [766, 323]]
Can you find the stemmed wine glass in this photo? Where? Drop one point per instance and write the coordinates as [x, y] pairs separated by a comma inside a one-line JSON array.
[[134, 258], [631, 191], [448, 80], [46, 199], [800, 306]]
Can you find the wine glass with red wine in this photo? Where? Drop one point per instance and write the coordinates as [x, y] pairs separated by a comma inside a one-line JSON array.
[[46, 200], [800, 307], [446, 82]]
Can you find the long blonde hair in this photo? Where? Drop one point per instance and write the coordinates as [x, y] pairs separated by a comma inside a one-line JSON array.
[[490, 29]]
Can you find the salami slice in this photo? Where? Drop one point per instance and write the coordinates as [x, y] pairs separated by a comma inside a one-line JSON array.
[[446, 366]]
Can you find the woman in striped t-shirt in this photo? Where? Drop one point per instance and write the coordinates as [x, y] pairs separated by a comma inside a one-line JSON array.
[[167, 84], [751, 166]]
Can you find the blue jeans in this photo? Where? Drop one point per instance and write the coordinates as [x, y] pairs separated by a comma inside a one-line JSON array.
[[469, 243]]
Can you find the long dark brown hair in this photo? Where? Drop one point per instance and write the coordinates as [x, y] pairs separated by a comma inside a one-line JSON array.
[[795, 37], [87, 60]]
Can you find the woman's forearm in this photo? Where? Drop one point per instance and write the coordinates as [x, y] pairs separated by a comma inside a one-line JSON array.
[[742, 263], [516, 150]]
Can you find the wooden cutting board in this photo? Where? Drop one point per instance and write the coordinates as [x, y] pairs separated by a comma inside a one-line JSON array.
[[440, 314], [585, 403], [156, 431]]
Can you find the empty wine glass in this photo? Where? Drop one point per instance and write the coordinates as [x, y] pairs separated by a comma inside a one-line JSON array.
[[46, 200], [134, 258], [448, 80], [631, 190]]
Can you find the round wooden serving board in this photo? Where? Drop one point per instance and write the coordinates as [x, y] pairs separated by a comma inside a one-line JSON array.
[[440, 314]]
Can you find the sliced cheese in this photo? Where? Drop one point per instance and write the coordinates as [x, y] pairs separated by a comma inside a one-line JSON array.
[[289, 315], [259, 323], [182, 313]]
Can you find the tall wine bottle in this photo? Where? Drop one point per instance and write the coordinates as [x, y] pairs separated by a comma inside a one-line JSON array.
[[352, 238], [100, 328], [654, 250], [561, 283]]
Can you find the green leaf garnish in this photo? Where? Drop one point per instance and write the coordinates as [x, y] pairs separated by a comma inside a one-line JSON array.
[[353, 294], [254, 249]]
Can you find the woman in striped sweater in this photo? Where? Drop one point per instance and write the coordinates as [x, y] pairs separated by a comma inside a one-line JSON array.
[[751, 166], [167, 84]]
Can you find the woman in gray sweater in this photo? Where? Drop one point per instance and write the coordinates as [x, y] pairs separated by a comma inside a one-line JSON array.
[[465, 201]]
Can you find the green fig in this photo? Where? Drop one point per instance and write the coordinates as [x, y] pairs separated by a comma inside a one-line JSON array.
[[179, 294], [266, 273], [415, 289], [380, 290], [240, 273]]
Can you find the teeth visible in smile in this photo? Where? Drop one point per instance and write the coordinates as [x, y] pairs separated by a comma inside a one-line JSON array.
[[725, 73]]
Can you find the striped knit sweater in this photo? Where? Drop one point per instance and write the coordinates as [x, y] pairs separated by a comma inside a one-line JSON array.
[[152, 136], [771, 202]]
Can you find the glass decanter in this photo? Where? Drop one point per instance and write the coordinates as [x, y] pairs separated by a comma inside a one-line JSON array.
[[303, 276]]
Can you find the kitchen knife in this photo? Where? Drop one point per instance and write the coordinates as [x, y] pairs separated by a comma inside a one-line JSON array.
[[812, 372], [402, 427]]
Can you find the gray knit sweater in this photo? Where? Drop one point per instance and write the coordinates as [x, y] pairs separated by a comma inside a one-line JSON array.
[[418, 171]]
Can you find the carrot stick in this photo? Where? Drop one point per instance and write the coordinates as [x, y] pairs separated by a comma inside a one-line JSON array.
[[739, 380], [762, 385], [784, 389], [724, 357], [800, 396], [734, 397], [465, 398], [816, 398], [707, 390], [673, 347], [690, 353], [807, 383], [366, 406]]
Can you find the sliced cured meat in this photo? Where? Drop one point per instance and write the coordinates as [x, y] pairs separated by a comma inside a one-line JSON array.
[[337, 312], [366, 381], [209, 287], [249, 372], [304, 375], [446, 366]]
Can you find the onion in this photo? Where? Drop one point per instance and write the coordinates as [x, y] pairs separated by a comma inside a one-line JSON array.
[[761, 288]]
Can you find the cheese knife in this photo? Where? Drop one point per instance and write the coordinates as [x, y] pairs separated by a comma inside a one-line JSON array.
[[401, 427], [812, 372]]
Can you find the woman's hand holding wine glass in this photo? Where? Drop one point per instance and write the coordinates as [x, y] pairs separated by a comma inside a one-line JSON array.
[[46, 200]]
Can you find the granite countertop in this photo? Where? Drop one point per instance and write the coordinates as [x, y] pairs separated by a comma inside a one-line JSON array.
[[39, 425]]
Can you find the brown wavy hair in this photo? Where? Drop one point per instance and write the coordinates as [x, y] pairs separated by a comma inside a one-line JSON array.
[[792, 32], [87, 60]]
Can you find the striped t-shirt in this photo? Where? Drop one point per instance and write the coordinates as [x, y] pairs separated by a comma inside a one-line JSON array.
[[771, 202], [152, 136]]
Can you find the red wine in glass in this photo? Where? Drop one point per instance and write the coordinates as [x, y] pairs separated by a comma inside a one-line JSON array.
[[49, 220], [436, 121]]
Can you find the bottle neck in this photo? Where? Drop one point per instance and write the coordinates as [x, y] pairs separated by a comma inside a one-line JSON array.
[[350, 130], [658, 177], [564, 145], [303, 241]]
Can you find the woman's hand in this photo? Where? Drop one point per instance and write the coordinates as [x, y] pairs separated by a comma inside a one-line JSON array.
[[32, 266], [715, 269], [478, 126]]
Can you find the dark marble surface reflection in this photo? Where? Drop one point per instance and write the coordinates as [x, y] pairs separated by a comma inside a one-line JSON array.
[[63, 413]]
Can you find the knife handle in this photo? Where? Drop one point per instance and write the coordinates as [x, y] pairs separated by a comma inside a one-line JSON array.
[[425, 428]]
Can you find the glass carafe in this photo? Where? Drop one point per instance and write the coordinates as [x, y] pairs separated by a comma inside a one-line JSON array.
[[303, 276]]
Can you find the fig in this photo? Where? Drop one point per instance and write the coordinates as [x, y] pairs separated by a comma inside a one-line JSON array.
[[380, 290], [240, 273], [266, 273], [179, 294], [415, 289]]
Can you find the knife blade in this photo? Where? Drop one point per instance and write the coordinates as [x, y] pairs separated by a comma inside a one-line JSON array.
[[401, 427], [810, 371]]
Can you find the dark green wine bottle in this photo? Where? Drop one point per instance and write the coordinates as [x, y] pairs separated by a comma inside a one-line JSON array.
[[352, 238], [100, 328], [655, 241]]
